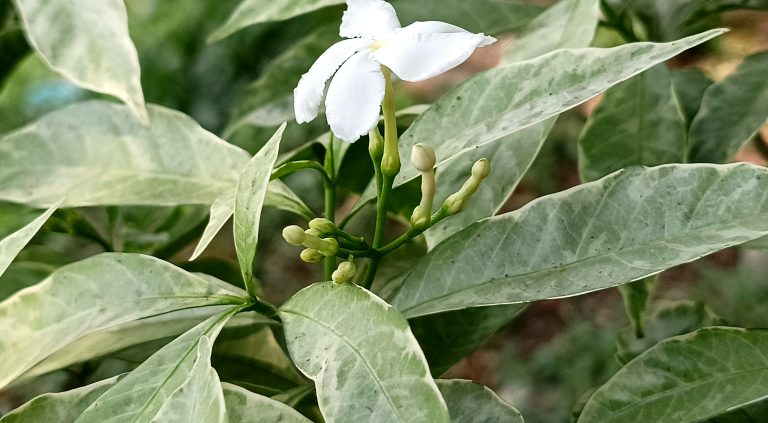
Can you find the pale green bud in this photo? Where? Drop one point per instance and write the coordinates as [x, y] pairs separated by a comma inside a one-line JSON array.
[[329, 248], [375, 144], [344, 273], [423, 157], [310, 255], [457, 201], [294, 235], [322, 225], [313, 232]]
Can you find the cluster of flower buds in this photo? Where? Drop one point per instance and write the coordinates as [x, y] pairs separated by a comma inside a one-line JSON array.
[[424, 160], [316, 247], [344, 273]]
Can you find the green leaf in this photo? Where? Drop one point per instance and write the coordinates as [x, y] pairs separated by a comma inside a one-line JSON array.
[[471, 402], [690, 86], [252, 12], [510, 98], [200, 398], [244, 406], [625, 227], [567, 24], [95, 153], [249, 200], [88, 43], [221, 210], [448, 337], [12, 245], [638, 122], [686, 379], [365, 369], [91, 295], [673, 319], [283, 198], [116, 338], [178, 374], [732, 112], [61, 407]]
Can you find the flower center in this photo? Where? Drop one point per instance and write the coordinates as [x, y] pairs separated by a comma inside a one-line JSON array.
[[377, 44]]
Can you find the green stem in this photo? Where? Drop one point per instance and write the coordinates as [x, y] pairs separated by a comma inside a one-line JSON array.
[[329, 264], [385, 177]]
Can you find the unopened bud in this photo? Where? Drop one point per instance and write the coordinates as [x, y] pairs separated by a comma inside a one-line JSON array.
[[294, 235], [322, 225], [481, 169], [313, 232], [344, 273], [329, 247], [375, 144], [457, 201], [423, 157], [310, 255]]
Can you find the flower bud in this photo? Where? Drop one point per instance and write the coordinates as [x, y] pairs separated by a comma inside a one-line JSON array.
[[481, 169], [329, 247], [313, 232], [344, 273], [423, 157], [322, 225], [310, 255], [294, 235], [457, 201], [375, 144]]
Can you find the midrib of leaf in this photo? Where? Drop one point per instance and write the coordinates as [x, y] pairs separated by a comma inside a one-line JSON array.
[[193, 347], [356, 351], [685, 388], [659, 241]]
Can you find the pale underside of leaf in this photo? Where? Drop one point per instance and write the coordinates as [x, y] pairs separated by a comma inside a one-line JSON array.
[[97, 52], [80, 299], [356, 379], [627, 226], [161, 380], [471, 402], [12, 245], [723, 369], [244, 406]]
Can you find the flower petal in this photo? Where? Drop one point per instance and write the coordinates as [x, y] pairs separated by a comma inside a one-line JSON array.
[[368, 19], [424, 50], [309, 93], [353, 104]]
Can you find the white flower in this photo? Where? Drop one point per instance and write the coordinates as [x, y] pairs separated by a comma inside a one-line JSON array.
[[417, 52]]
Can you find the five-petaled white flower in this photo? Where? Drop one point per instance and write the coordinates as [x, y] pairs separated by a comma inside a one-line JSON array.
[[417, 52]]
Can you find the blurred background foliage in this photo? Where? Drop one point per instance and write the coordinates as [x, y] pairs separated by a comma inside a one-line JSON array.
[[239, 87]]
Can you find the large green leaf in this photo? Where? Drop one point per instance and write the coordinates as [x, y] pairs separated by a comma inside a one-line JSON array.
[[365, 369], [731, 113], [12, 245], [244, 406], [567, 24], [92, 295], [471, 402], [690, 85], [627, 226], [686, 379], [61, 407], [510, 98], [95, 153], [175, 378], [249, 200], [638, 122], [88, 43]]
